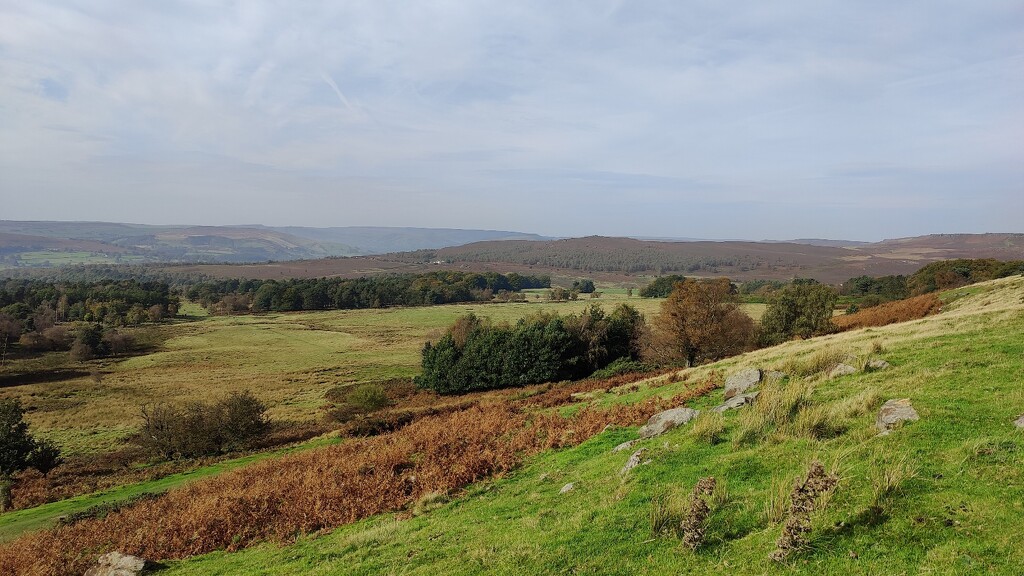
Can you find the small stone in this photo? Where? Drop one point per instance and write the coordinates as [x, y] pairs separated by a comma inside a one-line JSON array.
[[633, 462], [736, 402], [625, 446], [567, 488], [117, 564], [741, 381], [1019, 422], [774, 376], [877, 364], [841, 370], [893, 412], [664, 421]]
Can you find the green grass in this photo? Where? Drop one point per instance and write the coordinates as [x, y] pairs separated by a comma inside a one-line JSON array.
[[960, 511], [18, 522], [287, 359]]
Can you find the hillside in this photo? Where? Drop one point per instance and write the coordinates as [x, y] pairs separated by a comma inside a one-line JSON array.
[[930, 497], [30, 244], [941, 495], [622, 260]]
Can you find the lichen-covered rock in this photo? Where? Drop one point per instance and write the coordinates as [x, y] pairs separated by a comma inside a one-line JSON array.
[[625, 446], [742, 381], [664, 421], [633, 462], [117, 564], [877, 364], [894, 412], [773, 376], [736, 402], [841, 370], [1019, 422], [567, 488]]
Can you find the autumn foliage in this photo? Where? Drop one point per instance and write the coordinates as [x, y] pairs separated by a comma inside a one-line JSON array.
[[327, 487], [890, 313]]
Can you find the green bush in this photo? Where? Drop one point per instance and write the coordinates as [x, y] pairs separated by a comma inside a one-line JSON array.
[[201, 429]]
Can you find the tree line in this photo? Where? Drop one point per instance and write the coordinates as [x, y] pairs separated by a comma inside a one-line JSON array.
[[36, 314], [442, 287]]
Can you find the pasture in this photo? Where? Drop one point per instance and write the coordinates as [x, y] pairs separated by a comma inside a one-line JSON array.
[[287, 359]]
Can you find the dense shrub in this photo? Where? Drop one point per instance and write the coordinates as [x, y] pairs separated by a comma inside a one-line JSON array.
[[947, 274], [661, 287], [201, 429], [473, 355], [19, 449], [802, 309]]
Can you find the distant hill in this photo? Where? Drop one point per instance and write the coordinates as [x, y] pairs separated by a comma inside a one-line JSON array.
[[622, 260], [34, 244]]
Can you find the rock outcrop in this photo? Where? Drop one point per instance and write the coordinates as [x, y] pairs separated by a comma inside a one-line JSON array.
[[877, 364], [841, 370], [737, 402], [633, 462], [742, 381], [664, 421], [893, 412]]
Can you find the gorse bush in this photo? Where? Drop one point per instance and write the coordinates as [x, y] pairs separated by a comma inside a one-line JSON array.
[[473, 355], [201, 429]]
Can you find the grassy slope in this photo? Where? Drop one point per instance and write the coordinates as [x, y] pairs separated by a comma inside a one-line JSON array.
[[961, 514]]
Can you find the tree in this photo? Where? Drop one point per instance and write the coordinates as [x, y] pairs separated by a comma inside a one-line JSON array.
[[19, 450], [699, 322], [10, 329], [661, 287], [802, 309], [584, 286]]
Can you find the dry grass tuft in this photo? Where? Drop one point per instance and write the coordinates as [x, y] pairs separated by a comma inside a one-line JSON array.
[[819, 362], [709, 427], [776, 405], [888, 475]]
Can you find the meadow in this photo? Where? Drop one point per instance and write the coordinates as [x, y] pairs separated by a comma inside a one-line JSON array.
[[929, 498], [287, 359]]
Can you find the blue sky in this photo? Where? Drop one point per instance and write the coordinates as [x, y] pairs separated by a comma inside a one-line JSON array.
[[755, 120]]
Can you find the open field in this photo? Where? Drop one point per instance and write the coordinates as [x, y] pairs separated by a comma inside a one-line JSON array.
[[953, 504], [955, 469], [287, 359]]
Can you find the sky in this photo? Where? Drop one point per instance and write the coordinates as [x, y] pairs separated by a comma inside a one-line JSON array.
[[702, 119]]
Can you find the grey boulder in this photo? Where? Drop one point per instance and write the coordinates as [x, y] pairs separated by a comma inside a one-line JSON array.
[[737, 402], [841, 370], [664, 421], [742, 381], [877, 364], [894, 412]]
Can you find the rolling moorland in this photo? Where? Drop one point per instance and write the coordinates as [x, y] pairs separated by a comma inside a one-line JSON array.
[[50, 244], [629, 262], [923, 498]]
